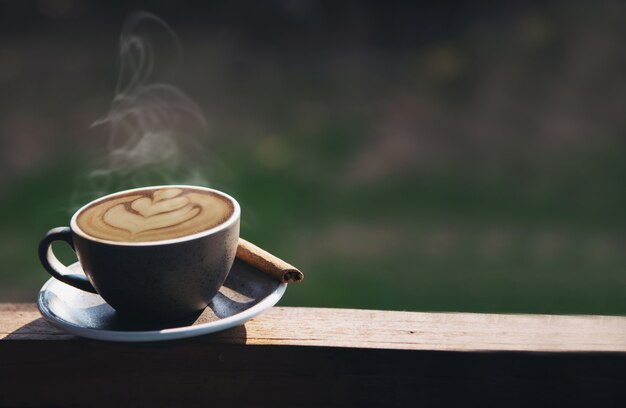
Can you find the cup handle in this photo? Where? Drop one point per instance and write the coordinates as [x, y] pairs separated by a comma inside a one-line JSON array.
[[54, 266]]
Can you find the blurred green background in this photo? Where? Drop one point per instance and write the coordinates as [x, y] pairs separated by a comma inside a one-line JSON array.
[[444, 156]]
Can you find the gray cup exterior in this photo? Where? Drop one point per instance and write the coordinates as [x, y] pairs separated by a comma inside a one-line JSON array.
[[160, 280], [163, 281]]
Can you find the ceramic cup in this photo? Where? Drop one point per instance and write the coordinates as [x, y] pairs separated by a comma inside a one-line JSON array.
[[159, 280]]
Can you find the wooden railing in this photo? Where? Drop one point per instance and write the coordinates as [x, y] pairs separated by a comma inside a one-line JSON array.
[[325, 357]]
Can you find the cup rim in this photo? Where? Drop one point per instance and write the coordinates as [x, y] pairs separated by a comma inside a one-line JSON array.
[[226, 224]]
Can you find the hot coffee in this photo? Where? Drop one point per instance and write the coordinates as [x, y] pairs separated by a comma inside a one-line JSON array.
[[154, 214], [157, 253]]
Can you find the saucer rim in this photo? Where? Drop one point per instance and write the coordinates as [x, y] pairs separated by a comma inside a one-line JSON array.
[[173, 333]]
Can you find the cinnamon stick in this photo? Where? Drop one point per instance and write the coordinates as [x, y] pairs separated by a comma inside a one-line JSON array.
[[267, 263]]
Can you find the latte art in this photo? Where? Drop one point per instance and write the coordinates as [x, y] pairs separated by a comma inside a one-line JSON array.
[[154, 215]]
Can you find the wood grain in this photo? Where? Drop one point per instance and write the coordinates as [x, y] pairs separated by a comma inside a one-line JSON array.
[[306, 357], [385, 330]]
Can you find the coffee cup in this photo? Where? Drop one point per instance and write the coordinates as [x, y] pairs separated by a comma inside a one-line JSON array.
[[154, 253]]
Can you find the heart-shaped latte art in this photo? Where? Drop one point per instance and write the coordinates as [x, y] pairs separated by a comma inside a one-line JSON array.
[[155, 214], [148, 207]]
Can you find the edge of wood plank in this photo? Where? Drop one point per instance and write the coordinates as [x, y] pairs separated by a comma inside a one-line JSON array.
[[378, 329]]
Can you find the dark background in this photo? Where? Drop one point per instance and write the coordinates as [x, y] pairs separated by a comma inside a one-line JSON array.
[[406, 155]]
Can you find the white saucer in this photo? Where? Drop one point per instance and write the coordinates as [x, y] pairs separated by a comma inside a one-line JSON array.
[[246, 293]]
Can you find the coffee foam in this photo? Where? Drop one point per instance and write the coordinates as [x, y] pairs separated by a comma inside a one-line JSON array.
[[154, 215]]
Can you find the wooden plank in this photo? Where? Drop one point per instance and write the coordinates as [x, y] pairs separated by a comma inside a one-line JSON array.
[[325, 357], [384, 330], [89, 373]]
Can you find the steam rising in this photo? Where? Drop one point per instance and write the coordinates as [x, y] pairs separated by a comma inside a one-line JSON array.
[[155, 129]]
